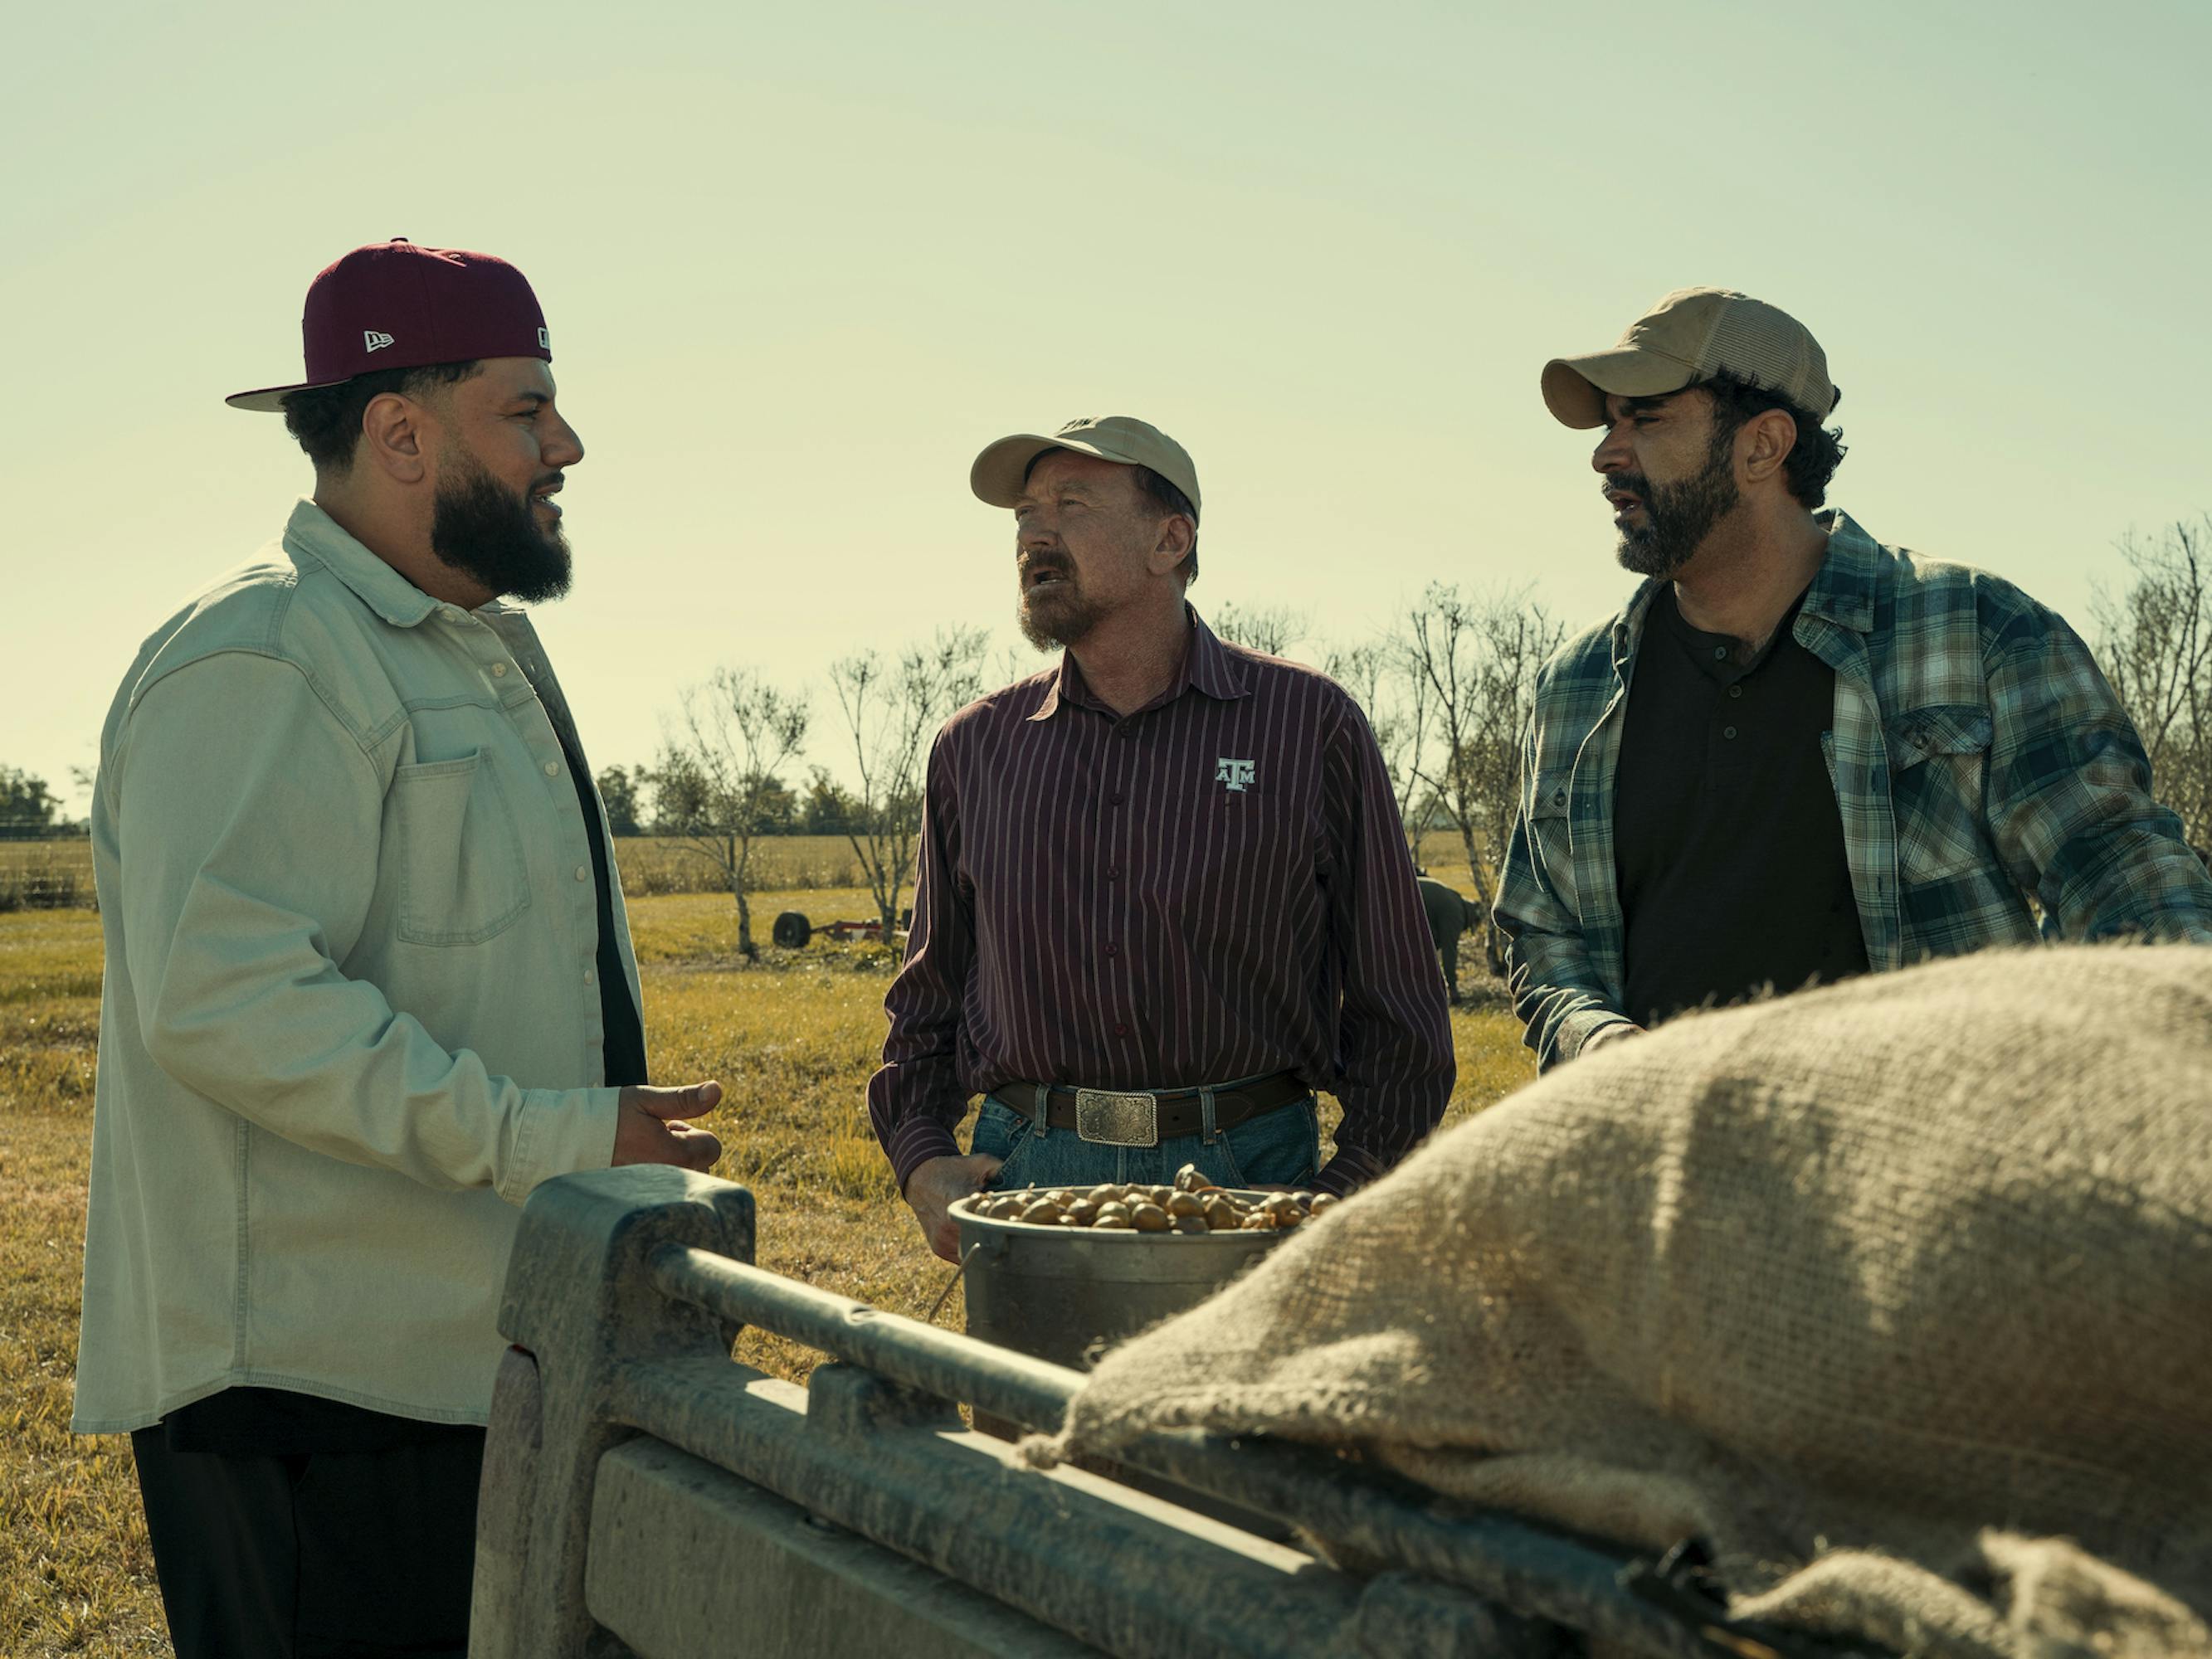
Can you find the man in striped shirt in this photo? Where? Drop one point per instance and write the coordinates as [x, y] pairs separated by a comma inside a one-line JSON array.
[[1163, 895]]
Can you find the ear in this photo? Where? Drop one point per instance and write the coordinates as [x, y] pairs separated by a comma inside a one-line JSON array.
[[1763, 444], [395, 438], [1176, 535]]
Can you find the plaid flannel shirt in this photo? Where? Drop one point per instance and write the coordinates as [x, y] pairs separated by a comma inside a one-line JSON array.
[[1979, 759]]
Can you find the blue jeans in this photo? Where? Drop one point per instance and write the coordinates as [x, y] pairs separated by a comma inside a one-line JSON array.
[[1281, 1147]]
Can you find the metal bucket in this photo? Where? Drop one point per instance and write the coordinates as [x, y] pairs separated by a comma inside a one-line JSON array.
[[1062, 1293], [1065, 1293]]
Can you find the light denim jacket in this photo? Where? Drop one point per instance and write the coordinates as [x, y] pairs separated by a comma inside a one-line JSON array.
[[1978, 757], [350, 1017]]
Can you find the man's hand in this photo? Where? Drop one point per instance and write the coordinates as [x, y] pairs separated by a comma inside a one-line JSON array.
[[650, 1127], [935, 1186]]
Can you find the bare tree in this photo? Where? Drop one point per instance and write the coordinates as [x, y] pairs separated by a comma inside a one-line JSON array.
[[1396, 703], [1270, 628], [2157, 652], [719, 777], [892, 709], [1478, 657]]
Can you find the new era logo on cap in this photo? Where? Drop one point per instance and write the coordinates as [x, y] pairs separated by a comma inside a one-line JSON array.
[[372, 341]]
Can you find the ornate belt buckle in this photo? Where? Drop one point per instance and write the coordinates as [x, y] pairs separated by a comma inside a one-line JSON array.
[[1110, 1120]]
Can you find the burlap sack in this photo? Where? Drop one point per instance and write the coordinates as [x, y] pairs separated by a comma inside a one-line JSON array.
[[1881, 1291]]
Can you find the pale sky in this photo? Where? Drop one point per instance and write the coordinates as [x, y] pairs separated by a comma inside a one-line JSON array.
[[800, 263]]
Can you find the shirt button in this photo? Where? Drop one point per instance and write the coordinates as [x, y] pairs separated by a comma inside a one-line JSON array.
[[1720, 653], [552, 769], [587, 976], [1728, 731], [1736, 690], [584, 871], [1120, 1030], [1558, 798], [1115, 798], [499, 670], [1113, 950], [451, 614], [1113, 873]]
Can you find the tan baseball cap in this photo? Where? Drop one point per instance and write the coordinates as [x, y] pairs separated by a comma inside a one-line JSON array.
[[1692, 335], [1000, 471]]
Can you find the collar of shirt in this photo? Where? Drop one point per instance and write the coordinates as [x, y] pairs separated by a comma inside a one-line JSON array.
[[1843, 588], [313, 532], [1206, 666], [1841, 591]]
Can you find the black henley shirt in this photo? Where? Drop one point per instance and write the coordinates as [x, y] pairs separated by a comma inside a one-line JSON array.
[[1728, 843]]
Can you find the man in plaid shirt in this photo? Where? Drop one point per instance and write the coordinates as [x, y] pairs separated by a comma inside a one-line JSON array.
[[1798, 753]]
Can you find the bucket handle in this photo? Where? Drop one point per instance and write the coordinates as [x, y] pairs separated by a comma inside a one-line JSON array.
[[958, 1273]]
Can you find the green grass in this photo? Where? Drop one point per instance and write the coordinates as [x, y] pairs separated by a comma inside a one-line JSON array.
[[794, 1037]]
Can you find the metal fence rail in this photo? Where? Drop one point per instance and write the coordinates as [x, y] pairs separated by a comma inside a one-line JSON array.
[[860, 1512], [1528, 1570]]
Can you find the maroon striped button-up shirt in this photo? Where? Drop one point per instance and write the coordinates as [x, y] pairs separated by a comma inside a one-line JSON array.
[[1212, 887]]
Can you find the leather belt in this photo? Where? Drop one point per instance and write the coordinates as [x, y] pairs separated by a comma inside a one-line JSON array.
[[1114, 1117]]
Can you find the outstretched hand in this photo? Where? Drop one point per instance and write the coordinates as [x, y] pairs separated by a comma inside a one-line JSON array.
[[651, 1127]]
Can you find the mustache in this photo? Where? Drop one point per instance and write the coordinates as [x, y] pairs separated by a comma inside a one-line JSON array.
[[1030, 564], [1628, 483]]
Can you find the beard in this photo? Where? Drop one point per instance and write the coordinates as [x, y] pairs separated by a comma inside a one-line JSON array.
[[1677, 517], [1057, 614], [490, 534]]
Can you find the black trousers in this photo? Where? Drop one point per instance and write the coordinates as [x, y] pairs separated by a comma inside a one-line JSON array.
[[314, 1555]]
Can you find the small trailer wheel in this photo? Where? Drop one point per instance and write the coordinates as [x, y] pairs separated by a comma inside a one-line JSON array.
[[791, 930]]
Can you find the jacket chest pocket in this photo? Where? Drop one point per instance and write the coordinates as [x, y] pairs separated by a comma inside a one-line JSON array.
[[462, 879], [1549, 824], [1939, 770]]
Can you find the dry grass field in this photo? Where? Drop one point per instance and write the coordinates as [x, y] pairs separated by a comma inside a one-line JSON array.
[[794, 1037], [814, 867]]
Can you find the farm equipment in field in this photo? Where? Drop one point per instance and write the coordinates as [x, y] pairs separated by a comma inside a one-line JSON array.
[[644, 1494], [791, 930]]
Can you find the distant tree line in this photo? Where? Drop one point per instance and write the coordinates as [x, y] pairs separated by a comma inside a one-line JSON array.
[[29, 811], [640, 803]]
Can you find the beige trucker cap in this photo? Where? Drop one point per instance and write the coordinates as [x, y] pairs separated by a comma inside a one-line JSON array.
[[1692, 335], [1000, 471]]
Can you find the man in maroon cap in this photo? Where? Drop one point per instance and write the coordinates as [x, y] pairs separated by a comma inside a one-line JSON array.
[[368, 982]]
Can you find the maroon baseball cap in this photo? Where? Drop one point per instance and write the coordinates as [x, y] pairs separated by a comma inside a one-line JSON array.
[[393, 305]]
